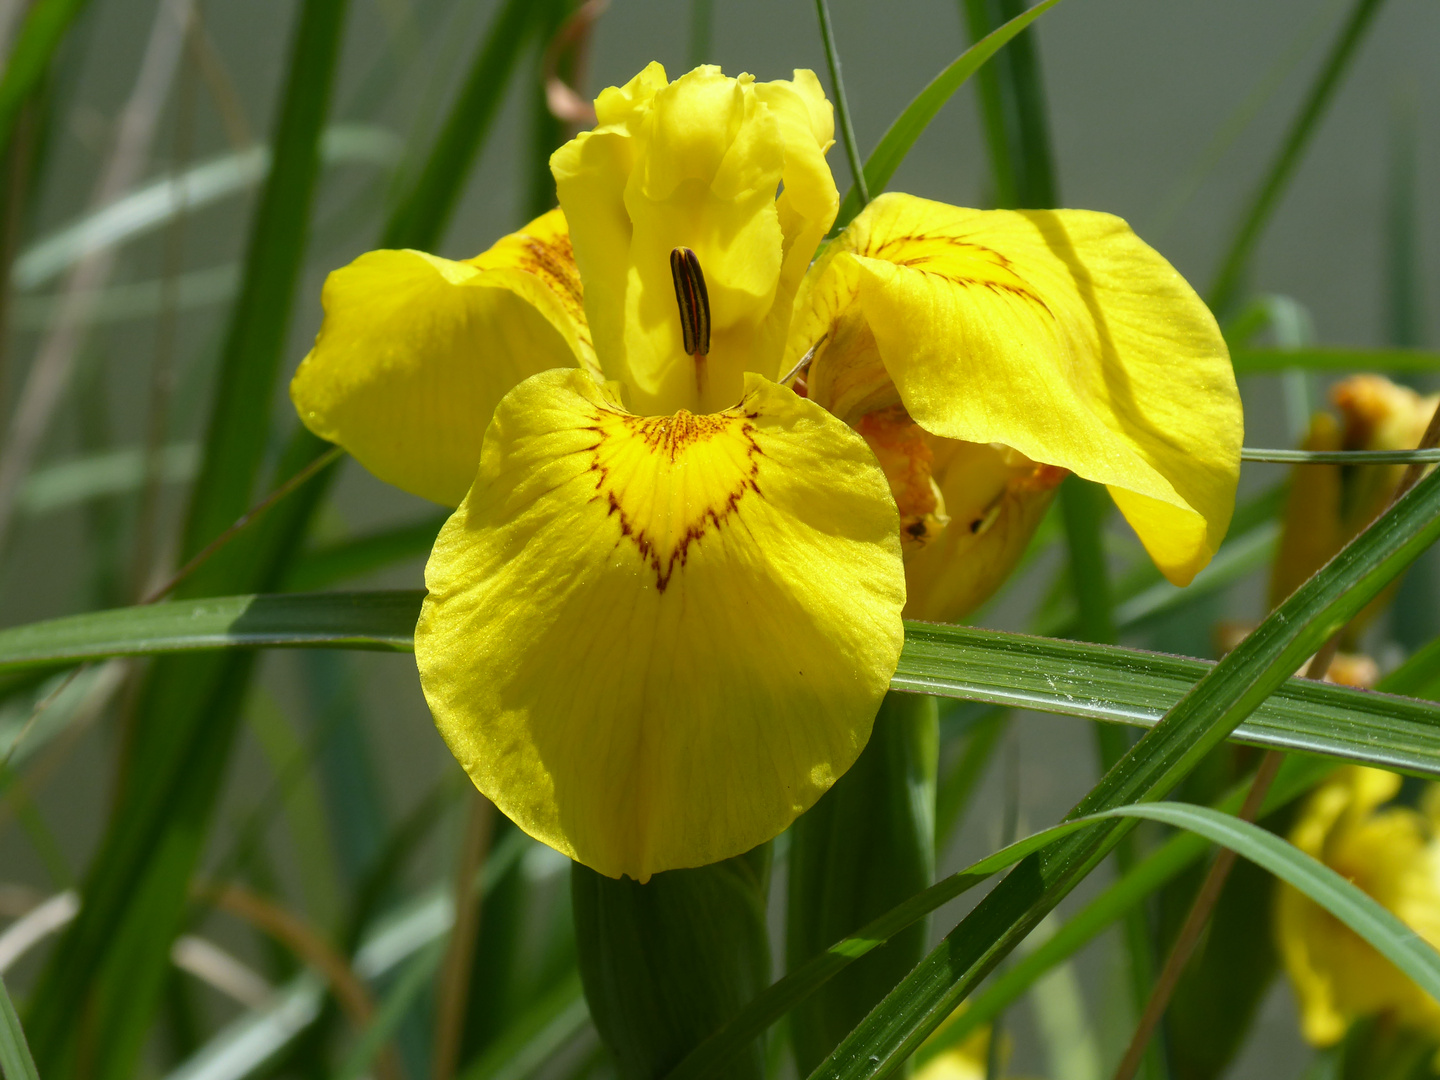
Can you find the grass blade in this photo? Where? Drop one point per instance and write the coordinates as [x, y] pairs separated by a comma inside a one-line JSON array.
[[1013, 111], [1230, 278], [1344, 899], [1209, 713], [147, 209], [1263, 361], [1093, 682], [420, 220], [880, 166], [1297, 776], [842, 106], [15, 1060], [44, 29]]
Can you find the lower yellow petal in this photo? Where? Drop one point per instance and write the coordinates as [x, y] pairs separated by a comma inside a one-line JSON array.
[[654, 641], [416, 350]]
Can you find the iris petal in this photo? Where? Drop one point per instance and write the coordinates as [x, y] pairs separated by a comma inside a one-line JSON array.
[[1057, 333], [696, 163], [654, 641], [416, 350]]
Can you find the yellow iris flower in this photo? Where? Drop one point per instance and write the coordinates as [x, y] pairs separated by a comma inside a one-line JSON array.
[[661, 620], [1329, 504], [1393, 854]]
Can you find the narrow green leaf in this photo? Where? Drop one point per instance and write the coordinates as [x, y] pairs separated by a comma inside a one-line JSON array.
[[1134, 687], [1207, 714], [842, 108], [250, 363], [1418, 677], [420, 219], [1094, 682], [1012, 109], [15, 1060], [150, 208], [1230, 278], [1341, 457], [1259, 361], [1298, 774], [44, 29], [535, 1035], [379, 620], [880, 166], [1390, 937], [111, 472]]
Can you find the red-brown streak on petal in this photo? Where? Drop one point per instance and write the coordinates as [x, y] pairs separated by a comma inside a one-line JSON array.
[[672, 437]]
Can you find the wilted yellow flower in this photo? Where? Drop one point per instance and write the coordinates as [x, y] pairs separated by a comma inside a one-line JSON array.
[[1393, 855], [1330, 504], [661, 621]]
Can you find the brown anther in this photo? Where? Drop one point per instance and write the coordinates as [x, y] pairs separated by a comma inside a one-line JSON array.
[[693, 300]]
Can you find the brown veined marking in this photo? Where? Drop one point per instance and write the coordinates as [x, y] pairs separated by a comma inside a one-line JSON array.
[[642, 463]]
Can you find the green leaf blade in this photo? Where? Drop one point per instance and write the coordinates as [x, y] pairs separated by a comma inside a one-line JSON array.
[[880, 166]]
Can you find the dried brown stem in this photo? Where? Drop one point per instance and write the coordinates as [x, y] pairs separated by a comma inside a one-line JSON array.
[[1195, 920], [309, 944], [459, 955]]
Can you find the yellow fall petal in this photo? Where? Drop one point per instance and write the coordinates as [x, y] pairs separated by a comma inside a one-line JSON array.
[[695, 163], [415, 352], [1058, 333], [653, 642]]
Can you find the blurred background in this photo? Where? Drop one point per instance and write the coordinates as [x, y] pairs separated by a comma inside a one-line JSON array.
[[133, 205]]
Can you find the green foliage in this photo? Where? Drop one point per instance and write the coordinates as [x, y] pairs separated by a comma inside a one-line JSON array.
[[15, 1060], [667, 962], [867, 845], [1152, 767]]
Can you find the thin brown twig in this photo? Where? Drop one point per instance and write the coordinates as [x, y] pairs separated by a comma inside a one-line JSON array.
[[238, 131], [454, 988], [1195, 920], [204, 554], [310, 945]]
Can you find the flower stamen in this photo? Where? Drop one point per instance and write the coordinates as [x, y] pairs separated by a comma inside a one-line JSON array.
[[694, 303]]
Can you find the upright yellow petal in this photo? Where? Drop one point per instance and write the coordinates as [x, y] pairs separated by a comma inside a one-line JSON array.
[[415, 352], [696, 163], [1059, 334], [808, 200], [653, 642]]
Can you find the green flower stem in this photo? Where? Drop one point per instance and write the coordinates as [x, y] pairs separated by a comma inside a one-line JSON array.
[[864, 847], [666, 963], [842, 106]]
